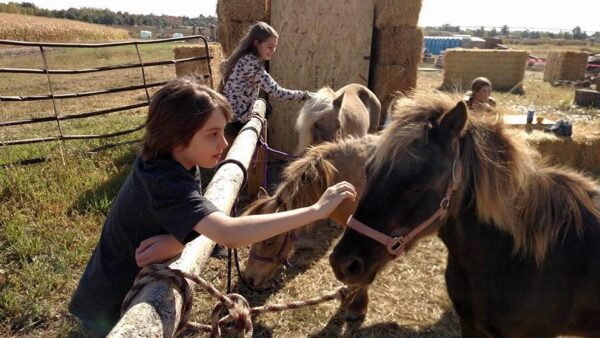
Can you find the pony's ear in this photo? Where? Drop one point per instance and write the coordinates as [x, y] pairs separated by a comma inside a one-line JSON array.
[[337, 103], [262, 193], [453, 121]]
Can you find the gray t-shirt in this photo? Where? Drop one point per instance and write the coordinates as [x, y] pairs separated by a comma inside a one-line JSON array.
[[158, 197]]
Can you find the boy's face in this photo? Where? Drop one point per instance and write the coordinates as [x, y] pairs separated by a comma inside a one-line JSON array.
[[206, 146], [483, 94], [267, 48]]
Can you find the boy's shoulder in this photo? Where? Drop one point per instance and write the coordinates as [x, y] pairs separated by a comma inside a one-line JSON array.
[[161, 174]]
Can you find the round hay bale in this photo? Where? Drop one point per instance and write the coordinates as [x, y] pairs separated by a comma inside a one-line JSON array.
[[391, 13], [400, 45], [199, 68], [247, 11]]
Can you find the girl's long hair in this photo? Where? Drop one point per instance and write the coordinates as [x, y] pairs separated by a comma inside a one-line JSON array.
[[260, 31]]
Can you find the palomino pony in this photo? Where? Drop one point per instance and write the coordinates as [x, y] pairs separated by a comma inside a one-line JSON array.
[[523, 238], [330, 116], [304, 181]]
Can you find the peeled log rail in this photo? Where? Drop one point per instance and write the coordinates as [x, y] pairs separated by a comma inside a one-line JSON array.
[[156, 310]]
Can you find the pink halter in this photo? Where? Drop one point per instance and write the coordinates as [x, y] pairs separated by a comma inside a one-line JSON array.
[[396, 245]]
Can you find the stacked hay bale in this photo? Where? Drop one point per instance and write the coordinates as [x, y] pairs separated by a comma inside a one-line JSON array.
[[199, 68], [565, 65], [581, 151], [323, 43], [234, 18], [396, 48], [504, 68]]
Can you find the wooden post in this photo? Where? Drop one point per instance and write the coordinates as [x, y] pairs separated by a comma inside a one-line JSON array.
[[156, 310], [257, 173]]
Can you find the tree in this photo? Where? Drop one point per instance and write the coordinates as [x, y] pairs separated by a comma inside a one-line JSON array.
[[492, 33], [480, 32], [504, 30]]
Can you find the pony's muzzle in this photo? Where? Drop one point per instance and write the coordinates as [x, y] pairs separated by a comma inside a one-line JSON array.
[[347, 268]]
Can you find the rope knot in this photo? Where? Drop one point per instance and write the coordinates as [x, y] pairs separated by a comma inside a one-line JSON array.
[[240, 313]]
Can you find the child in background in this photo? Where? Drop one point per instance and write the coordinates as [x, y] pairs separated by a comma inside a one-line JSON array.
[[160, 206], [245, 74], [479, 99]]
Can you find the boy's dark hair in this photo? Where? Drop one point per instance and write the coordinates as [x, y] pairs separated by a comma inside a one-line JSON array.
[[177, 111]]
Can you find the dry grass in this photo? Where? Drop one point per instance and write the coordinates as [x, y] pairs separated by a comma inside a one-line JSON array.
[[32, 28]]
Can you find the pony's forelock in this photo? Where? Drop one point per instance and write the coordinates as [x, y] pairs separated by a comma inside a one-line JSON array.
[[313, 110]]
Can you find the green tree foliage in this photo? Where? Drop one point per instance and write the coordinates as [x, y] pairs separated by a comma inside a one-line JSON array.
[[106, 16]]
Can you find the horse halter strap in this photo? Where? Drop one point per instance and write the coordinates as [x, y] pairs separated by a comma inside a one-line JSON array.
[[289, 236], [396, 245]]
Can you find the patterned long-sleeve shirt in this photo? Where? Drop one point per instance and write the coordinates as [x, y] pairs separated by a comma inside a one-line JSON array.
[[242, 86]]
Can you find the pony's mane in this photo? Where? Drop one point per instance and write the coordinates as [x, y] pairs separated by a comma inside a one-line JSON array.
[[511, 188], [311, 112]]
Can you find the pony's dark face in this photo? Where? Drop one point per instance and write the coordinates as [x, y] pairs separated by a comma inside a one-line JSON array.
[[405, 184]]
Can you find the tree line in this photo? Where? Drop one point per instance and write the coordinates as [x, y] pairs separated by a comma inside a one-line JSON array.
[[108, 17], [575, 34]]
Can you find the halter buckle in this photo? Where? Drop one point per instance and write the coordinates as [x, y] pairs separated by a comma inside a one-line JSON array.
[[396, 245], [445, 203]]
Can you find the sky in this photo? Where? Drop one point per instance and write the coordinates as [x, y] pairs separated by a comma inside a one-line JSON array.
[[532, 14]]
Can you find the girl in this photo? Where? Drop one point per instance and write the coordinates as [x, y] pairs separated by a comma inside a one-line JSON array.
[[478, 99], [160, 207], [245, 74]]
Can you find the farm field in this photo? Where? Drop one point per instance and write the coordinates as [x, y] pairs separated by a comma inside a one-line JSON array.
[[51, 213], [32, 28]]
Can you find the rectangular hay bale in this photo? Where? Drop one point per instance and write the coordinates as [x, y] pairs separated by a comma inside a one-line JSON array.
[[199, 68], [244, 10], [565, 65], [392, 13], [504, 68], [400, 45], [581, 151], [322, 43], [389, 80]]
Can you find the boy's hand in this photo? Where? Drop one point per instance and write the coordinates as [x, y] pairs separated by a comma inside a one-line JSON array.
[[333, 196], [157, 249]]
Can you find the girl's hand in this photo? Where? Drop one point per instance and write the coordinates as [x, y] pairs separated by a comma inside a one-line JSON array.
[[157, 249], [333, 196]]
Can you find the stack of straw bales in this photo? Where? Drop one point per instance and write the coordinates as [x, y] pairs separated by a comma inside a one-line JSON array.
[[396, 48], [199, 68], [323, 43], [504, 68], [581, 151], [565, 65], [236, 16]]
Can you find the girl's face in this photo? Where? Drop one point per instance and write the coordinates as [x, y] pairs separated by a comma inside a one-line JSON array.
[[267, 48], [483, 94], [206, 146]]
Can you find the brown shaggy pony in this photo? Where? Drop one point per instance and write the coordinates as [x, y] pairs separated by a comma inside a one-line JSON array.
[[304, 181], [330, 116], [523, 237]]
